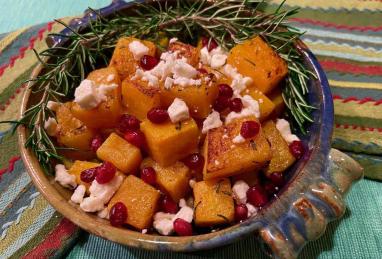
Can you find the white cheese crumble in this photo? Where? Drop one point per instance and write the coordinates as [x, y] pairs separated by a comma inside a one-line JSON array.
[[238, 139], [173, 40], [218, 60], [164, 222], [251, 210], [50, 126], [53, 106], [192, 183], [144, 231], [103, 214], [239, 82], [100, 194], [64, 178], [168, 83], [284, 128], [78, 194], [239, 190], [178, 111], [251, 108], [89, 96], [215, 58], [138, 49], [110, 78], [211, 122]]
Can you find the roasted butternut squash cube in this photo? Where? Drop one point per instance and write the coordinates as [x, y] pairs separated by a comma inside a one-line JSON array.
[[168, 142], [277, 99], [199, 98], [186, 51], [123, 59], [139, 98], [71, 132], [265, 104], [256, 59], [213, 204], [123, 155], [77, 168], [173, 179], [107, 114], [226, 158], [282, 158], [140, 199]]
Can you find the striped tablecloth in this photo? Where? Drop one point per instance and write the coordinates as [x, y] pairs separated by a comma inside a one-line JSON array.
[[346, 35]]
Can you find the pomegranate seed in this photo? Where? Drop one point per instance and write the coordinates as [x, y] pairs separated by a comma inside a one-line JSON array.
[[168, 205], [136, 138], [276, 178], [209, 43], [105, 172], [96, 143], [128, 122], [225, 90], [158, 115], [257, 196], [241, 212], [148, 175], [249, 129], [194, 161], [202, 71], [297, 149], [149, 62], [270, 188], [236, 105], [182, 227], [118, 214], [221, 103], [88, 175]]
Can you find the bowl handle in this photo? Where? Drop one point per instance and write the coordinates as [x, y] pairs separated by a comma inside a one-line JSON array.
[[313, 210]]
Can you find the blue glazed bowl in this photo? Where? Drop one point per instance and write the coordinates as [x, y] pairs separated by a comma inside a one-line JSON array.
[[312, 198]]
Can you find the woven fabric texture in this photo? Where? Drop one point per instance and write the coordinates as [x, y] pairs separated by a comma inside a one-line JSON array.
[[346, 35]]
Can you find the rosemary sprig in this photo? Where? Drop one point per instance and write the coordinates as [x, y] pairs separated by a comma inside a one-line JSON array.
[[229, 22]]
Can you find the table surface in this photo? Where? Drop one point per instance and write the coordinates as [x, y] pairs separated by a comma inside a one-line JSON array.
[[349, 237]]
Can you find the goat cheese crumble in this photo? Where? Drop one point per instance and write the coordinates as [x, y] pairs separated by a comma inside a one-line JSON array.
[[239, 190], [138, 49], [211, 122], [50, 125], [250, 108], [178, 111], [283, 127], [64, 178]]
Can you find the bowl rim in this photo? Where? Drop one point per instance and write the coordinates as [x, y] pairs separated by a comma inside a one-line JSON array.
[[133, 238]]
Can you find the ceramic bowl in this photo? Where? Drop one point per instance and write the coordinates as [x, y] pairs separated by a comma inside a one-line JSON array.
[[313, 197]]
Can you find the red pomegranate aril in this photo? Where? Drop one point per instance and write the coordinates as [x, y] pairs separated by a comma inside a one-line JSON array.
[[136, 138], [236, 105], [221, 103], [118, 214], [148, 62], [202, 71], [96, 143], [105, 172], [182, 227], [88, 175], [270, 188], [241, 212], [209, 43], [128, 122], [296, 148], [257, 196], [225, 90], [168, 205], [158, 115], [249, 129], [194, 161], [148, 175], [276, 178]]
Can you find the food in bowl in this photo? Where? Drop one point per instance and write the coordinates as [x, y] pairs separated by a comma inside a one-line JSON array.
[[178, 139]]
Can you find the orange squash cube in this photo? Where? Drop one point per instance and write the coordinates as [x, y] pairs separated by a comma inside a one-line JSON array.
[[277, 99], [77, 168], [173, 179], [123, 60], [123, 155], [213, 203], [168, 142], [71, 132], [199, 98], [139, 98], [251, 178], [107, 114], [282, 158], [185, 50], [225, 158], [140, 199], [256, 59]]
